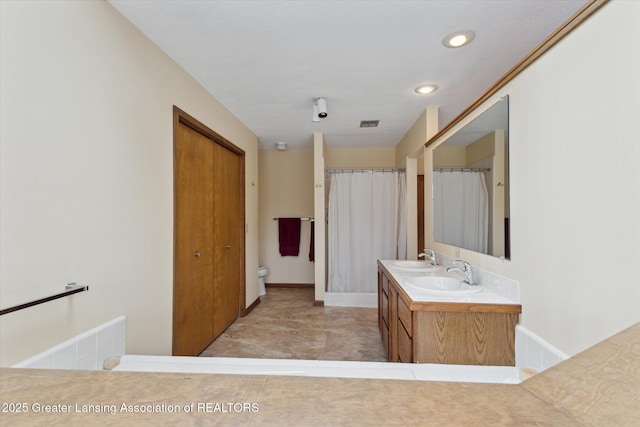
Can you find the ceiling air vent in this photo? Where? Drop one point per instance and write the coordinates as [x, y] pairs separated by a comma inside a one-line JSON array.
[[369, 123]]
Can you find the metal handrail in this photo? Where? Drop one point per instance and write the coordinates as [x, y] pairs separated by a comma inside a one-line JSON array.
[[70, 289]]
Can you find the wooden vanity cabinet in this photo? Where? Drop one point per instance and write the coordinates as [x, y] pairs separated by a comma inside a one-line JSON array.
[[444, 332]]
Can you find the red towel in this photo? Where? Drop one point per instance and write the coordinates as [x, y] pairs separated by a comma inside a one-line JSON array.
[[289, 235]]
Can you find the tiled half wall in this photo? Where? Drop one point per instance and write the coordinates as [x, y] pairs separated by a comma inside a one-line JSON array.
[[86, 351], [534, 353]]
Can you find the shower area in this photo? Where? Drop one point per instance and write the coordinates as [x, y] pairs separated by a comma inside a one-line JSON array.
[[366, 212]]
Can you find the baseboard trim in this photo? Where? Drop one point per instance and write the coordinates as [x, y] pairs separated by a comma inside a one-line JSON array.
[[289, 285], [318, 303], [250, 308]]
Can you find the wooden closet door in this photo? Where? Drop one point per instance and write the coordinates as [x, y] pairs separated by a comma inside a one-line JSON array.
[[193, 264], [228, 226]]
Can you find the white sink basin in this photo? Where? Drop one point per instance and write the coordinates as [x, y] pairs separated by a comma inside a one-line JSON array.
[[410, 265], [441, 285]]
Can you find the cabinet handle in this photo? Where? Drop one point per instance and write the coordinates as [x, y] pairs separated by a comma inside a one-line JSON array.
[[227, 247], [197, 254]]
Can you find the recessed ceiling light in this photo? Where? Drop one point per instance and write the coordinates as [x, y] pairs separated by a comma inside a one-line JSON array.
[[425, 89], [458, 39]]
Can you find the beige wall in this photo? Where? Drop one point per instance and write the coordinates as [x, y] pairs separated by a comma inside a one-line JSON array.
[[286, 190], [86, 175], [421, 165], [412, 143], [575, 233], [450, 157], [361, 157]]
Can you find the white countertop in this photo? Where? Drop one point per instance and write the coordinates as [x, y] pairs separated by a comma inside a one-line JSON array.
[[401, 275]]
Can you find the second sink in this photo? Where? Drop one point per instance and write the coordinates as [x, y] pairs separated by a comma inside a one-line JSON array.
[[441, 285], [411, 265]]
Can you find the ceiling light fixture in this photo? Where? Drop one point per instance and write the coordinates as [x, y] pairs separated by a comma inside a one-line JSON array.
[[319, 110], [425, 89], [458, 39], [322, 107]]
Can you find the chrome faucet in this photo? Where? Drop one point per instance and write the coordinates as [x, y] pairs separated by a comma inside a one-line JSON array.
[[432, 256], [468, 272]]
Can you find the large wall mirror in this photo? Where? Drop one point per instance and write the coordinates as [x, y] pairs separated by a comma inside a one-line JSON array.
[[471, 184]]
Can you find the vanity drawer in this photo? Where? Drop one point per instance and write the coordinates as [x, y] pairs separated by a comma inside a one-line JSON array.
[[404, 314], [385, 284], [404, 345]]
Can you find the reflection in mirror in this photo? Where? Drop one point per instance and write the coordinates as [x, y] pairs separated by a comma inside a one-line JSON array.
[[420, 206], [471, 185]]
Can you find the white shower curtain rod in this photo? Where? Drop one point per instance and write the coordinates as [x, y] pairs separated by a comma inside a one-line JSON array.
[[462, 169], [365, 170]]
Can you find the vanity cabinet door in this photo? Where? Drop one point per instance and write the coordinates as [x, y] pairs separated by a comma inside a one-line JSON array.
[[393, 323], [404, 345], [383, 310], [404, 314], [384, 330]]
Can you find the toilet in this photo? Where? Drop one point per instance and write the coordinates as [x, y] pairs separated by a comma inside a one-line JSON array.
[[262, 271]]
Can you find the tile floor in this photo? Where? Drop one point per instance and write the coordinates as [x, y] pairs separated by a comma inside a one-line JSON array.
[[286, 325]]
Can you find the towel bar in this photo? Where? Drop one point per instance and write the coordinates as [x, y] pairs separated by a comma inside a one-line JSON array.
[[70, 289]]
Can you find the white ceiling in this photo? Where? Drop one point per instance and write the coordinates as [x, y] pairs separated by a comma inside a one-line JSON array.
[[267, 61]]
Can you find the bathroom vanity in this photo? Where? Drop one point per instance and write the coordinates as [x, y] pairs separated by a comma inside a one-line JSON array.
[[474, 329]]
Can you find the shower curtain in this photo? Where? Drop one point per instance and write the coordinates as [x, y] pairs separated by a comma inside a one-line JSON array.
[[367, 221], [461, 209]]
